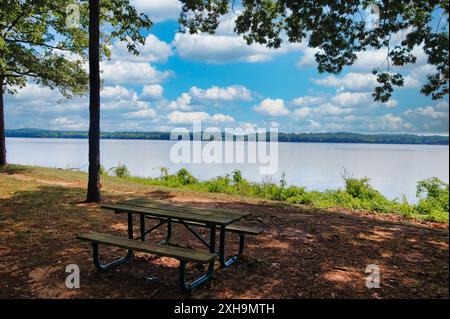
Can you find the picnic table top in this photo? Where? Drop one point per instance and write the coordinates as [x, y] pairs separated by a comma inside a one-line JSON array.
[[174, 211]]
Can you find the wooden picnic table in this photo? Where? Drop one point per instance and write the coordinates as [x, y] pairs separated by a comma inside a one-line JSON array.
[[166, 214], [187, 216]]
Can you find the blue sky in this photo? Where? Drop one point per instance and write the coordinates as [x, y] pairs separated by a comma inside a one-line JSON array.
[[220, 80]]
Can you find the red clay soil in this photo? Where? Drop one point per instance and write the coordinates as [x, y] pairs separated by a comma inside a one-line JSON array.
[[303, 253]]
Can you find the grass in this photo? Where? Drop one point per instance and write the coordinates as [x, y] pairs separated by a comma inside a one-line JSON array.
[[358, 194], [43, 209], [433, 194]]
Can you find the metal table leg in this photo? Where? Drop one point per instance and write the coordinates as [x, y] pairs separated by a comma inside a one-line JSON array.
[[117, 262], [142, 226], [196, 282], [223, 262]]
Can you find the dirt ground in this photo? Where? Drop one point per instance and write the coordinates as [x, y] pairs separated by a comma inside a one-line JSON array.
[[303, 252]]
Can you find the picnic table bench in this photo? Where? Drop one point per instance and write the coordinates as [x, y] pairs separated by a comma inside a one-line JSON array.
[[167, 214]]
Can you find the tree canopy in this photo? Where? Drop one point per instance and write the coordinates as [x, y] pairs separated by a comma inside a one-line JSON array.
[[46, 42], [30, 49], [339, 30], [37, 42]]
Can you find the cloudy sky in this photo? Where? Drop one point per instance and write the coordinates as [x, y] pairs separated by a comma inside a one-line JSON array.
[[220, 80]]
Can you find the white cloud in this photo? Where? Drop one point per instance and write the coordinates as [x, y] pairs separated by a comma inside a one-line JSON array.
[[230, 93], [198, 97], [308, 59], [314, 124], [33, 92], [429, 111], [146, 113], [222, 118], [225, 46], [308, 100], [154, 50], [248, 126], [36, 100], [178, 117], [274, 124], [158, 10], [360, 77], [326, 109], [272, 107], [348, 99], [331, 109], [120, 98], [121, 72], [183, 102], [341, 99], [117, 92], [225, 49], [351, 81], [390, 104], [69, 123], [443, 105], [366, 61], [303, 112], [389, 122], [151, 92]]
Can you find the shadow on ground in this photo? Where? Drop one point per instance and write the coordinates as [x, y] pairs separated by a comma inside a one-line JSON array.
[[303, 253], [13, 169]]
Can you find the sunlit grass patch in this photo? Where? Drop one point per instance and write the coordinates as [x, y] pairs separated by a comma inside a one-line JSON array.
[[358, 194]]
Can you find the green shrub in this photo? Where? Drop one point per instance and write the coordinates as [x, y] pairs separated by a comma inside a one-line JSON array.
[[164, 171], [434, 196], [237, 176], [359, 188], [218, 185], [357, 194], [185, 177], [283, 182], [103, 171], [121, 170]]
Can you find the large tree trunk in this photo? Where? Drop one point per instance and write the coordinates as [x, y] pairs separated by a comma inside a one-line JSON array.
[[2, 128], [93, 192]]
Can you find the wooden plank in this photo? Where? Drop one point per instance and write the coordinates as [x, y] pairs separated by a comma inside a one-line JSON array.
[[211, 219], [179, 253], [142, 202], [244, 229], [240, 229]]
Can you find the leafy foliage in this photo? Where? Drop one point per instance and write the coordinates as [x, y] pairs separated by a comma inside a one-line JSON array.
[[185, 177], [34, 43], [37, 42], [434, 196], [358, 194], [339, 31], [121, 170], [103, 171]]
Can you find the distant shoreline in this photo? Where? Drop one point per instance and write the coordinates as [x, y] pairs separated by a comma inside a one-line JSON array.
[[343, 137]]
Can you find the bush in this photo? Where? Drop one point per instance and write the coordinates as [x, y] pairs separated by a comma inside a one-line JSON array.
[[237, 176], [359, 188], [185, 177], [433, 195], [121, 170], [103, 171], [218, 185], [357, 194]]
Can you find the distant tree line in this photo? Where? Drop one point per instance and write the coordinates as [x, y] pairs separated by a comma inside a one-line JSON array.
[[282, 137]]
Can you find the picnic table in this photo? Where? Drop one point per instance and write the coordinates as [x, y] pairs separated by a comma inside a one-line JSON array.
[[166, 215]]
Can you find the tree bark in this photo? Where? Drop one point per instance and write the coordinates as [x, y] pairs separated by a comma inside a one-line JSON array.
[[2, 127], [93, 191]]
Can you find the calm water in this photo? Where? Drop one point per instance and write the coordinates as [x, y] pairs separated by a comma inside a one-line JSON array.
[[394, 169]]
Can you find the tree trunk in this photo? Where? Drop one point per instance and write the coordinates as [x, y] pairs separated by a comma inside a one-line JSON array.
[[93, 192], [2, 128]]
